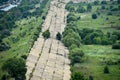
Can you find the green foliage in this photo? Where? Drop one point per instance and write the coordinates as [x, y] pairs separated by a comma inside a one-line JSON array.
[[71, 17], [106, 70], [16, 68], [58, 36], [77, 76], [73, 46], [4, 46], [76, 55], [103, 2], [81, 9], [116, 46], [94, 16], [46, 34], [91, 77], [89, 8], [96, 2], [70, 37]]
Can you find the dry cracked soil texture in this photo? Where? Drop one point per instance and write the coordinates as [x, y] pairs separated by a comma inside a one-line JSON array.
[[48, 59]]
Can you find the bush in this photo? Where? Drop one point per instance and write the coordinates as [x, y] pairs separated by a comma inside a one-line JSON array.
[[89, 8], [4, 46], [81, 9], [94, 16], [116, 46], [58, 36], [77, 76], [46, 34], [91, 77], [103, 2], [106, 70], [76, 56]]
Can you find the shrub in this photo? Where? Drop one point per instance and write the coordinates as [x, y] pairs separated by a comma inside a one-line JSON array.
[[46, 34], [77, 76], [76, 56], [106, 70], [89, 7], [4, 46], [91, 77], [58, 36], [103, 2], [94, 16], [116, 46]]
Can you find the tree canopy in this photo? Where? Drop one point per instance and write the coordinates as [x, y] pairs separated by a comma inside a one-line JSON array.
[[16, 68]]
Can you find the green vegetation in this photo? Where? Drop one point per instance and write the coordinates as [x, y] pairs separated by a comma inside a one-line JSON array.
[[106, 70], [77, 76], [46, 34], [19, 28], [15, 68], [96, 26], [58, 36]]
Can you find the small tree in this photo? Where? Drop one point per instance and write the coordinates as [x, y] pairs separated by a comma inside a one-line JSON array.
[[116, 46], [46, 34], [106, 70], [77, 76], [58, 36], [94, 16], [89, 8], [91, 77]]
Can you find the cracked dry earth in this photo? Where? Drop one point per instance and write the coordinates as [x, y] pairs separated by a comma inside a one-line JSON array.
[[48, 59]]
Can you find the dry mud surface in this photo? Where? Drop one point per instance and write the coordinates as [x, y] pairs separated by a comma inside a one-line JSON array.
[[48, 59]]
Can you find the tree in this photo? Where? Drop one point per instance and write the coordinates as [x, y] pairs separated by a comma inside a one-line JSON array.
[[81, 9], [118, 1], [96, 2], [46, 34], [16, 68], [91, 77], [70, 37], [104, 2], [106, 70], [116, 46], [94, 16], [89, 8], [76, 55], [77, 76], [71, 17], [58, 36]]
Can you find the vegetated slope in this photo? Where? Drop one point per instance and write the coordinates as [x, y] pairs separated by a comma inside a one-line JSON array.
[[93, 37], [20, 27], [48, 59]]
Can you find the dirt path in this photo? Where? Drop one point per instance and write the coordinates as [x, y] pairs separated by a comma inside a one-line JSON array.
[[48, 59]]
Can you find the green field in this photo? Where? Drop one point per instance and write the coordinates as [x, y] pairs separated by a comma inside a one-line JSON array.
[[98, 56]]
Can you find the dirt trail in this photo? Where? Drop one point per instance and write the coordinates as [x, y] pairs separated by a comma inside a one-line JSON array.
[[48, 59]]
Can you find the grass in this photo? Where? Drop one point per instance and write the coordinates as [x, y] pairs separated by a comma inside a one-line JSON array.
[[22, 37], [93, 64], [98, 56], [86, 21], [28, 26]]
